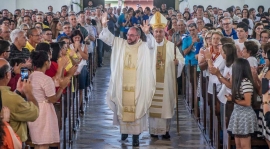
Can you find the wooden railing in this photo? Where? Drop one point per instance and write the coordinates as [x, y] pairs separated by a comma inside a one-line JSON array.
[[212, 116]]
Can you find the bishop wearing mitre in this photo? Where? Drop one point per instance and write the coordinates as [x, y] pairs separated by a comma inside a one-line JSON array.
[[166, 57], [132, 82]]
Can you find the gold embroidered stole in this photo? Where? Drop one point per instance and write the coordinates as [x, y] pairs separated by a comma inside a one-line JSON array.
[[156, 106], [129, 82]]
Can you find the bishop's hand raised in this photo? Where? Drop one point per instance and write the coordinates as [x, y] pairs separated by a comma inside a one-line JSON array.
[[145, 27]]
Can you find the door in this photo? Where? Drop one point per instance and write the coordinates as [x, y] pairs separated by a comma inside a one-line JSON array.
[[169, 3], [95, 3]]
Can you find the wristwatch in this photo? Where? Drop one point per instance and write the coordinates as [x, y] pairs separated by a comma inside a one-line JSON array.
[[18, 92]]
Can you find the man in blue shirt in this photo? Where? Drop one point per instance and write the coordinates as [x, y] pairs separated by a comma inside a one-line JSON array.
[[189, 45], [147, 13], [228, 31], [136, 20], [66, 30]]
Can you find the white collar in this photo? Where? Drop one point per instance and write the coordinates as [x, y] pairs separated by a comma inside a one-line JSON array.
[[161, 43]]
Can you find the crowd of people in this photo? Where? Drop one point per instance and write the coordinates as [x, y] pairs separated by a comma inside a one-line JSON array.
[[230, 46]]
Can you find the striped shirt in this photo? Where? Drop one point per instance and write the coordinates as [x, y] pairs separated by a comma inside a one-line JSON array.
[[246, 87], [15, 53]]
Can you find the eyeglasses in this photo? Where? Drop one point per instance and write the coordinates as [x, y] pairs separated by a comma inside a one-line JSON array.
[[208, 38], [226, 24], [259, 28], [67, 28], [49, 34], [191, 30], [131, 35]]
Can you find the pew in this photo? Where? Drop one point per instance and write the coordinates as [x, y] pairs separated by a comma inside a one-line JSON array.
[[190, 80], [202, 106], [216, 119]]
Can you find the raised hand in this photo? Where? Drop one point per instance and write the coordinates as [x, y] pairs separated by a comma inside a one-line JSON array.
[[104, 19], [146, 27], [63, 83]]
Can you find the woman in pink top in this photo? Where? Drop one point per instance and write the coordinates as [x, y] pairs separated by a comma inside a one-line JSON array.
[[44, 131]]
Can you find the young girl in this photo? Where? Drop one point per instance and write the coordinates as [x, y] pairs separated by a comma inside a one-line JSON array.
[[243, 121]]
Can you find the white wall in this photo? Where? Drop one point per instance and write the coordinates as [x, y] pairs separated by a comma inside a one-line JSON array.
[[223, 4], [41, 5]]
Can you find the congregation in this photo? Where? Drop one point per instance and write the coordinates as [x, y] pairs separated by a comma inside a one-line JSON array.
[[151, 49]]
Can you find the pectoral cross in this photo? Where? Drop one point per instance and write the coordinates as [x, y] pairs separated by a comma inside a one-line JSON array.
[[161, 64]]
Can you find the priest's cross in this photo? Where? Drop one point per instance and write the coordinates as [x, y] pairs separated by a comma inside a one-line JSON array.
[[161, 64]]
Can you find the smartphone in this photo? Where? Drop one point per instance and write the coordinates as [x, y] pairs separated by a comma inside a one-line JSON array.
[[24, 74]]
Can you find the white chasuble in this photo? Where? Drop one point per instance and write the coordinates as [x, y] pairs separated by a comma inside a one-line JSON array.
[[130, 113], [164, 100]]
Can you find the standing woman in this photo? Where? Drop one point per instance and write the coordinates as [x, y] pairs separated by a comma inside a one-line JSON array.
[[243, 121], [245, 15], [44, 91], [81, 50], [56, 28]]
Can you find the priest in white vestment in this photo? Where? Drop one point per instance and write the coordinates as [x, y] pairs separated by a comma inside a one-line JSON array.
[[166, 56], [132, 82]]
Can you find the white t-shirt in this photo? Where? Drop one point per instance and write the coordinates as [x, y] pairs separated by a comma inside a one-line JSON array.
[[224, 90], [252, 61], [241, 45], [206, 20], [219, 63]]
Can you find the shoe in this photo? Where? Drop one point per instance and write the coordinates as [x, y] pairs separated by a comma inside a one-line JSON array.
[[166, 136], [135, 140], [154, 136], [124, 137]]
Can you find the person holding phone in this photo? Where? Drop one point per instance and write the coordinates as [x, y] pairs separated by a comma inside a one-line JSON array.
[[45, 93], [22, 111]]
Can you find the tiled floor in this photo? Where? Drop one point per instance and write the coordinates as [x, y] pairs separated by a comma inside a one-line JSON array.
[[97, 132]]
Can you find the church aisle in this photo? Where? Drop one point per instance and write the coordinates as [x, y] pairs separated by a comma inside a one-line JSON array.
[[97, 132]]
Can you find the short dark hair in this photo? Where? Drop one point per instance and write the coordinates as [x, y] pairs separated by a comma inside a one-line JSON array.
[[200, 6], [44, 47], [252, 47], [15, 61], [265, 31], [260, 7], [26, 16], [243, 25], [246, 5], [45, 30], [230, 9], [147, 8], [4, 19], [75, 33], [30, 32], [192, 25], [3, 46]]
